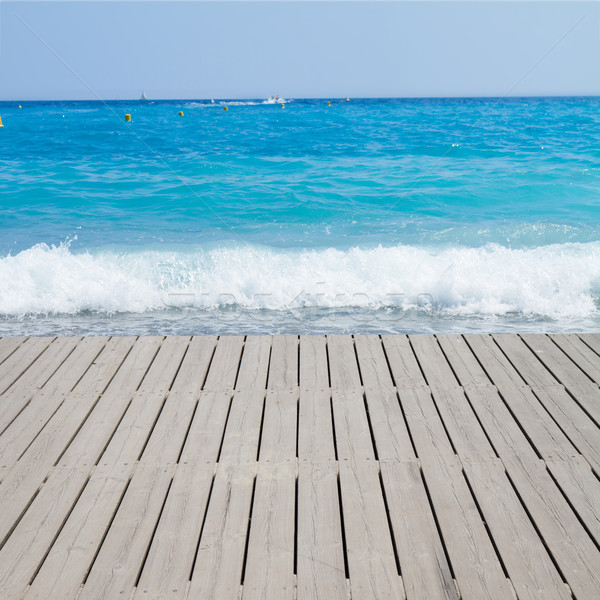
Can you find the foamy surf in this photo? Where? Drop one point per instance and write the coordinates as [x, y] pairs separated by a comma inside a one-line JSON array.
[[560, 281]]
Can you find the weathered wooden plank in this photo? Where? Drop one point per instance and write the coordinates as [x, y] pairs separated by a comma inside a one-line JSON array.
[[20, 360], [572, 377], [240, 442], [315, 426], [522, 359], [54, 390], [321, 572], [225, 362], [585, 358], [171, 556], [343, 367], [541, 429], [118, 462], [8, 345], [116, 567], [390, 433], [592, 340], [352, 431], [425, 571], [476, 566], [372, 362], [254, 366], [566, 539], [433, 363], [371, 559], [24, 550], [369, 549], [403, 363], [278, 441], [465, 363], [195, 364], [65, 566], [577, 425], [219, 562], [283, 368], [582, 488], [527, 562], [269, 572], [314, 370]]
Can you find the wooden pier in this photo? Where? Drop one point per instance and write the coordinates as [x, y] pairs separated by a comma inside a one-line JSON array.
[[311, 467]]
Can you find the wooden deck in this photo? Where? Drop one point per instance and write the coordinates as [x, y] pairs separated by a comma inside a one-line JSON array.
[[311, 468]]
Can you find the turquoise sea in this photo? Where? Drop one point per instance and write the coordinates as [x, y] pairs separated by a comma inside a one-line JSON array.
[[392, 215]]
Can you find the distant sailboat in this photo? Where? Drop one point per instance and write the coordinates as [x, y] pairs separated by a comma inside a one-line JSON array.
[[144, 97]]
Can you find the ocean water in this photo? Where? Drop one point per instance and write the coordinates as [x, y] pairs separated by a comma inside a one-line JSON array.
[[422, 215]]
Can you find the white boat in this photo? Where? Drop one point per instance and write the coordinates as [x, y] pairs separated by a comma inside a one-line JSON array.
[[144, 97], [276, 99]]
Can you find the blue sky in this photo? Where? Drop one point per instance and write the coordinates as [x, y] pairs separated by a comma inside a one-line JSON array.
[[298, 49]]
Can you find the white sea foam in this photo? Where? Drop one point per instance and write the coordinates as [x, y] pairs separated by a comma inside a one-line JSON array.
[[556, 281]]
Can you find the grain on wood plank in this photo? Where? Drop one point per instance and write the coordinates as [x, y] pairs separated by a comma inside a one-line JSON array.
[[433, 363], [34, 378], [425, 571], [577, 425], [369, 548], [561, 530], [51, 409], [269, 572], [403, 363], [8, 345], [120, 558], [465, 364], [314, 373], [387, 422], [224, 365], [585, 358], [65, 566], [169, 563], [374, 370], [278, 442], [570, 375], [476, 566], [582, 488], [352, 432], [283, 367], [99, 427], [219, 562], [527, 562], [544, 433], [321, 572], [254, 366], [522, 359], [592, 340], [54, 390], [20, 360], [240, 442], [315, 426], [25, 549], [194, 367], [343, 366], [206, 431]]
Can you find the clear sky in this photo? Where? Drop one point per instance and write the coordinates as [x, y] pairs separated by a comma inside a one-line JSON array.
[[298, 49]]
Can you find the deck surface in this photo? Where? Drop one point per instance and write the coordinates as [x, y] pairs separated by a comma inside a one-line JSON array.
[[311, 467]]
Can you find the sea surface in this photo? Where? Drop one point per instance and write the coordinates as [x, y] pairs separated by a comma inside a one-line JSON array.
[[392, 215]]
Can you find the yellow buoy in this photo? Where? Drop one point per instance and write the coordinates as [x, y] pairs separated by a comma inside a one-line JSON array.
[[282, 105], [128, 117], [225, 108], [328, 103], [1, 122], [20, 106], [181, 113]]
